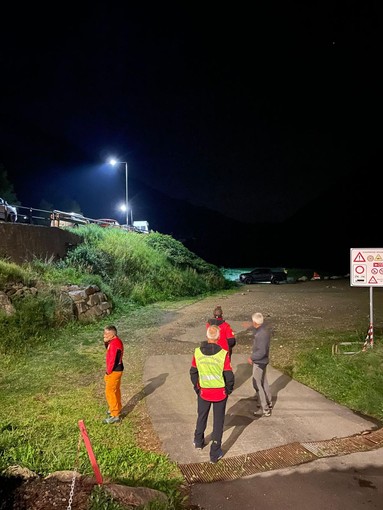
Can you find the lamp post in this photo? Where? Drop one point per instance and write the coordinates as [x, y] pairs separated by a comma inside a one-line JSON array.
[[114, 162]]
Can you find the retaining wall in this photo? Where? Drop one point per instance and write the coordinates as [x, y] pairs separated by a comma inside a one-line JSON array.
[[20, 242]]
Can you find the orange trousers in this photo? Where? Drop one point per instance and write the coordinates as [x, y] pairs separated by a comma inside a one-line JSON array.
[[113, 392]]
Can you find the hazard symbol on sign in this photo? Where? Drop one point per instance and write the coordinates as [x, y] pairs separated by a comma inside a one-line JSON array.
[[359, 269], [372, 280], [374, 270], [359, 258]]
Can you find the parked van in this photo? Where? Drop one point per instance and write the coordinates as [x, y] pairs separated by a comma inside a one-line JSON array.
[[142, 226]]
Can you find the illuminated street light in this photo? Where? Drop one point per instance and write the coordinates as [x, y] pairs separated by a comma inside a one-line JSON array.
[[114, 162]]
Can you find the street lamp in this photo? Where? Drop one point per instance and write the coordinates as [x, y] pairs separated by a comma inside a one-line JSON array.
[[114, 162]]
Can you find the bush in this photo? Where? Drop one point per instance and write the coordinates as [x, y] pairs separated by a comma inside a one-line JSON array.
[[88, 259]]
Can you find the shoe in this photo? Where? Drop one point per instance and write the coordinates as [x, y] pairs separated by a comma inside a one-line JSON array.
[[111, 419], [270, 405], [214, 461], [267, 413], [199, 447], [108, 412]]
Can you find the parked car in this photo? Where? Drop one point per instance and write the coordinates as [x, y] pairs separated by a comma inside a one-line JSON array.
[[67, 219], [107, 222], [7, 212], [264, 275]]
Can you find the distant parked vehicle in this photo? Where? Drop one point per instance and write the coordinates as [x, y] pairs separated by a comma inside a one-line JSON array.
[[64, 219], [107, 222], [7, 212], [264, 275], [141, 226]]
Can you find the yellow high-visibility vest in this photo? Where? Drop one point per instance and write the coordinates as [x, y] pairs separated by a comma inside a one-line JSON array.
[[210, 368]]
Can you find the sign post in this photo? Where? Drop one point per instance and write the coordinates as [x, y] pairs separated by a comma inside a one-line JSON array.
[[366, 270]]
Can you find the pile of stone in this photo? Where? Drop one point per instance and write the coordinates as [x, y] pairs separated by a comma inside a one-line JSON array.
[[88, 302], [74, 302]]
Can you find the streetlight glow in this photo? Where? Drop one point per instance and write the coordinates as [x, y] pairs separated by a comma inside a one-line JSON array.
[[114, 162]]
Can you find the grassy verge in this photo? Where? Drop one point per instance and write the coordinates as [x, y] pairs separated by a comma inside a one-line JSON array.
[[353, 380], [46, 392]]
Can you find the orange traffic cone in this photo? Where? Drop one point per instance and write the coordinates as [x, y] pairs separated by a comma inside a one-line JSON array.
[[315, 276]]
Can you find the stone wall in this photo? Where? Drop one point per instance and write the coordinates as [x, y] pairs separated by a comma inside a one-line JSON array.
[[20, 243], [88, 303], [74, 302]]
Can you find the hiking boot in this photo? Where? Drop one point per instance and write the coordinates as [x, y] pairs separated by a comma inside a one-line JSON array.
[[111, 419]]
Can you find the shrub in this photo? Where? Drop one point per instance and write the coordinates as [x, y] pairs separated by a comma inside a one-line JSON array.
[[87, 258]]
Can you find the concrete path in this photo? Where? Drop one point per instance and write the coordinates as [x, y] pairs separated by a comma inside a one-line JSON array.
[[300, 415]]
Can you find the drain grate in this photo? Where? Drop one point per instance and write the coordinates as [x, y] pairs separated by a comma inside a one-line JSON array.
[[338, 446], [345, 445], [293, 454], [375, 437], [232, 468]]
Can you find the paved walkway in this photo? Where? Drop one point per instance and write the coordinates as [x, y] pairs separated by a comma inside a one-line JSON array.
[[300, 415]]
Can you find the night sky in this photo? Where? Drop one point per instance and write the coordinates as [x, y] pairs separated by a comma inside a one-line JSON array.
[[259, 128]]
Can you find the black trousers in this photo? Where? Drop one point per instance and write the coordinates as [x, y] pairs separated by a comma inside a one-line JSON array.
[[219, 409]]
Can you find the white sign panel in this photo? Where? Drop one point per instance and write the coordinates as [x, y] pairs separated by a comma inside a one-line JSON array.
[[366, 267]]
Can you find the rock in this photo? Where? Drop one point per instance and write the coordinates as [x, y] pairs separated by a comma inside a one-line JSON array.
[[63, 476], [134, 496], [5, 304], [20, 472]]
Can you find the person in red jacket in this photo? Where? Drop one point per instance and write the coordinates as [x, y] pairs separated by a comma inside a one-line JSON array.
[[227, 337], [213, 381], [114, 368]]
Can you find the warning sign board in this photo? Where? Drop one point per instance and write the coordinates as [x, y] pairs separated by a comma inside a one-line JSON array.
[[365, 267]]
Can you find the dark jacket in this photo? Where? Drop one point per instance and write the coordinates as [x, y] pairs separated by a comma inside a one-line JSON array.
[[261, 345]]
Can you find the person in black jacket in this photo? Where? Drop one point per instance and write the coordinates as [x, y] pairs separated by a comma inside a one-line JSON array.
[[213, 380], [260, 359]]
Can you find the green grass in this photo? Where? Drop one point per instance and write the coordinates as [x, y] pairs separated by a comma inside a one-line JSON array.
[[46, 391], [354, 380]]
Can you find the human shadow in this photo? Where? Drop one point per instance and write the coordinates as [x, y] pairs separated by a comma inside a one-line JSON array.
[[238, 417], [155, 382], [242, 374], [278, 385]]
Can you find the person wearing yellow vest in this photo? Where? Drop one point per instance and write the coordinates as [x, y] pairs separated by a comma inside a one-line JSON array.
[[213, 380]]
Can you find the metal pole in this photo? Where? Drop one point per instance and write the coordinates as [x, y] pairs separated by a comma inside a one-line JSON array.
[[371, 317], [126, 193]]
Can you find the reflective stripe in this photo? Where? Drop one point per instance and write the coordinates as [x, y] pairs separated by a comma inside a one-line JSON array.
[[210, 368]]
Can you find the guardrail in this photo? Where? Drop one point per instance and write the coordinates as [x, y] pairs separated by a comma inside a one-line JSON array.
[[33, 216], [56, 218]]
